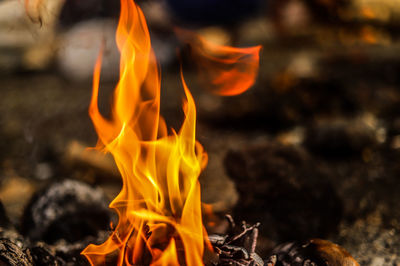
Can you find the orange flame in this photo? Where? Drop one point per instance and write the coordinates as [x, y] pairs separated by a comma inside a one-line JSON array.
[[224, 70], [159, 206]]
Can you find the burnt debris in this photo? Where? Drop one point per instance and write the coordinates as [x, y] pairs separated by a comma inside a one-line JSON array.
[[313, 252], [238, 246]]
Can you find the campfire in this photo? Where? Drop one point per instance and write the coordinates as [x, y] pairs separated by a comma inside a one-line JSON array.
[[249, 169], [159, 206]]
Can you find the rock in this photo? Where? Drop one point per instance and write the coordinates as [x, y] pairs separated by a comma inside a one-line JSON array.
[[280, 187], [69, 210], [80, 47]]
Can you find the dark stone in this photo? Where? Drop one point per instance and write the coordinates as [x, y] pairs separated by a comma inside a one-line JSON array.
[[11, 254], [68, 210], [281, 188]]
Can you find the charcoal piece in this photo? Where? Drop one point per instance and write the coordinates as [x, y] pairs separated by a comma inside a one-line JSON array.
[[313, 252], [340, 137], [69, 210], [279, 186], [43, 254], [11, 254]]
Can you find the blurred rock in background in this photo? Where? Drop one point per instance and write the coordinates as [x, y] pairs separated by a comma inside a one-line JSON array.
[[80, 46]]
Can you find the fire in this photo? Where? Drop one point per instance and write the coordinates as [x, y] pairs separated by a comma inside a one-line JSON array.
[[159, 206], [224, 70]]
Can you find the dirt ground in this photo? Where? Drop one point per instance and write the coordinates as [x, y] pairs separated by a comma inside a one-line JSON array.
[[332, 173]]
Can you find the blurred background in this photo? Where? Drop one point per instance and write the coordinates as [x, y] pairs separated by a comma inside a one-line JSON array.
[[311, 150]]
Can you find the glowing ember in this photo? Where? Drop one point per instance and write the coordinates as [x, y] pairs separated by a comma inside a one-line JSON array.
[[159, 206]]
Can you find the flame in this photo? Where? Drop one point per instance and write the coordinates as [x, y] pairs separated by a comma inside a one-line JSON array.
[[159, 205], [224, 70]]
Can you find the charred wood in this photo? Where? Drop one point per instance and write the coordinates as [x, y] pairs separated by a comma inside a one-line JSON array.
[[238, 246]]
